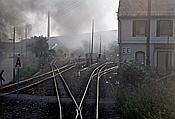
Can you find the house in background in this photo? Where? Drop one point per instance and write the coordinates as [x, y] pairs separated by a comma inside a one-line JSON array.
[[133, 26]]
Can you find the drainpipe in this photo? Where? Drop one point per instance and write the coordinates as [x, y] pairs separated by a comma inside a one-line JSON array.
[[148, 34]]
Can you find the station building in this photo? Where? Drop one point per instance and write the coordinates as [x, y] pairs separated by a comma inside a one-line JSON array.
[[132, 26]]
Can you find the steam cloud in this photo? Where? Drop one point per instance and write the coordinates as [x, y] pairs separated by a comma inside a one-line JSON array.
[[69, 16]]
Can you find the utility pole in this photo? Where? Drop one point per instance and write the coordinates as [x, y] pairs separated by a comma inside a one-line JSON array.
[[104, 53], [100, 50], [92, 47], [148, 34], [48, 27], [26, 32], [100, 44], [89, 51], [89, 45], [14, 48]]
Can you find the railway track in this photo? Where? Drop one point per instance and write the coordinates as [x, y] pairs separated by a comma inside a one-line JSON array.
[[56, 90], [56, 74], [99, 71], [28, 83], [53, 64]]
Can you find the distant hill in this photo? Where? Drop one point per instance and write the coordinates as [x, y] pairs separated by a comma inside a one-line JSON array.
[[73, 42]]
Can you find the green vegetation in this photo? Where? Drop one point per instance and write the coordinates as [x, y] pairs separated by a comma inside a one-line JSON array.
[[30, 68], [38, 56], [142, 96]]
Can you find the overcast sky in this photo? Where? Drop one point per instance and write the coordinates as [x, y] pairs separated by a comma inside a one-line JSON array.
[[67, 16], [102, 11]]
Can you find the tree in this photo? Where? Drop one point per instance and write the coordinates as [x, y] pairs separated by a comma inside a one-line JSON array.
[[39, 46]]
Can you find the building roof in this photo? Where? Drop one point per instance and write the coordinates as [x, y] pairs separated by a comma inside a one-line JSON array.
[[140, 7]]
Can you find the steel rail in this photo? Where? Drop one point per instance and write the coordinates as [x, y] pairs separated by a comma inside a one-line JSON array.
[[35, 83], [26, 80], [87, 87], [107, 70], [25, 87], [91, 77], [70, 93], [56, 89], [98, 91]]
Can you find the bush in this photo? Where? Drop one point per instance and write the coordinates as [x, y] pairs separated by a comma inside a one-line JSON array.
[[141, 96], [31, 65], [28, 72], [134, 74]]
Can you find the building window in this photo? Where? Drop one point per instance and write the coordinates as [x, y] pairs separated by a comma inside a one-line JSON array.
[[140, 57], [126, 50], [139, 28], [164, 28]]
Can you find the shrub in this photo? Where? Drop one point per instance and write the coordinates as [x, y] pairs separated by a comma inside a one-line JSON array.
[[141, 96]]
